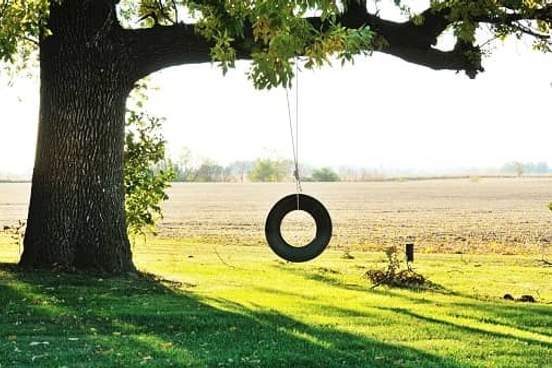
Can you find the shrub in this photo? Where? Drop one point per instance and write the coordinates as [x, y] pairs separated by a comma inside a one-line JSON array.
[[394, 276], [145, 180], [325, 174], [267, 170]]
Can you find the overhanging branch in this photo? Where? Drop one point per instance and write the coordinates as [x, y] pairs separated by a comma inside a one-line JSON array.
[[160, 47], [164, 46]]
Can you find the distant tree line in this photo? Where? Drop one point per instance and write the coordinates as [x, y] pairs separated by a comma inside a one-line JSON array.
[[520, 168], [187, 168]]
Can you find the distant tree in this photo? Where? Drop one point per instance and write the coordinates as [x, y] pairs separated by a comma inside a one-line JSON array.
[[184, 165], [325, 174], [267, 170], [514, 167], [227, 176], [519, 168], [209, 171], [239, 170]]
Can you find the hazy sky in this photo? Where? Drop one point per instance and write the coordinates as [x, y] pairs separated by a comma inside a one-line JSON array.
[[381, 112]]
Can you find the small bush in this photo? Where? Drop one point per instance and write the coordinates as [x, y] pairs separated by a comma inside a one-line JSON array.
[[394, 276]]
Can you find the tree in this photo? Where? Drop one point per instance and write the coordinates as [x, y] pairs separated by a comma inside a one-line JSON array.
[[184, 166], [240, 169], [209, 171], [267, 170], [91, 57], [515, 167], [325, 174]]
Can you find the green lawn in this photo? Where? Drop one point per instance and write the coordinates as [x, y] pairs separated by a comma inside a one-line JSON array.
[[244, 308]]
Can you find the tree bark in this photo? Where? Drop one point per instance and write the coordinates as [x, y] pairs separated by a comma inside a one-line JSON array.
[[76, 216]]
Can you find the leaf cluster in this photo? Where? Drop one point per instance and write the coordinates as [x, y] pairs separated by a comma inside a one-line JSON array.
[[145, 183], [21, 28], [505, 18], [279, 32], [274, 32]]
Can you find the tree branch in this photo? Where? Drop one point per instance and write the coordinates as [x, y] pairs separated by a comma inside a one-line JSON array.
[[164, 46], [544, 13]]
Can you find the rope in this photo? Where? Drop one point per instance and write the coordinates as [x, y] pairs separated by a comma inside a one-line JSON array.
[[295, 137]]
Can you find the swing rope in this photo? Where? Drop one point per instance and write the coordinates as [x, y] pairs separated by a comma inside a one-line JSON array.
[[295, 136], [322, 219]]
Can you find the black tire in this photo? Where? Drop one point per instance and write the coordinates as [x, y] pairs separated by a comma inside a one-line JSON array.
[[273, 230]]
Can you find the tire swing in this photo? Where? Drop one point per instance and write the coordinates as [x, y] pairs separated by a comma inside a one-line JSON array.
[[297, 202]]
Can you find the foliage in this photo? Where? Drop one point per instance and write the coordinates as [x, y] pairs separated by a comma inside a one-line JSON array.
[[325, 174], [280, 32], [274, 33], [21, 24], [267, 170], [145, 184]]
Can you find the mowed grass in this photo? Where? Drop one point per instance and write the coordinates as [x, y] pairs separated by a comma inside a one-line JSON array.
[[242, 307]]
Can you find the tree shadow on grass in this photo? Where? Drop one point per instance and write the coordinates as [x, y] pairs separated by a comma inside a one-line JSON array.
[[529, 317], [535, 318], [469, 329], [532, 318], [77, 320]]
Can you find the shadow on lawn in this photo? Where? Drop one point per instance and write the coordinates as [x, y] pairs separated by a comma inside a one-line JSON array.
[[529, 317], [532, 318], [471, 330], [131, 321]]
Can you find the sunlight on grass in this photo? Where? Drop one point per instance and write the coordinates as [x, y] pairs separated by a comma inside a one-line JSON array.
[[242, 307]]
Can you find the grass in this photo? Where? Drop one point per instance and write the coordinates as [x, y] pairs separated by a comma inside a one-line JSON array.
[[241, 307]]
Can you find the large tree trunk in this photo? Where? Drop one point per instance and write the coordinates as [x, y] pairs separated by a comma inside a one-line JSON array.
[[76, 217]]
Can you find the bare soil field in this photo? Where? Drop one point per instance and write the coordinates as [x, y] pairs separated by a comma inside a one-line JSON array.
[[506, 215]]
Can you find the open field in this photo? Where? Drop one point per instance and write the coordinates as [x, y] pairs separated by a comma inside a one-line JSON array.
[[255, 311], [507, 216]]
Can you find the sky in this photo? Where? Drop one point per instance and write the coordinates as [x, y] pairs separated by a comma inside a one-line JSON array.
[[380, 112]]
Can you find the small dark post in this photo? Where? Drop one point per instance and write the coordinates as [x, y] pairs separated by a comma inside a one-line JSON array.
[[410, 252]]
